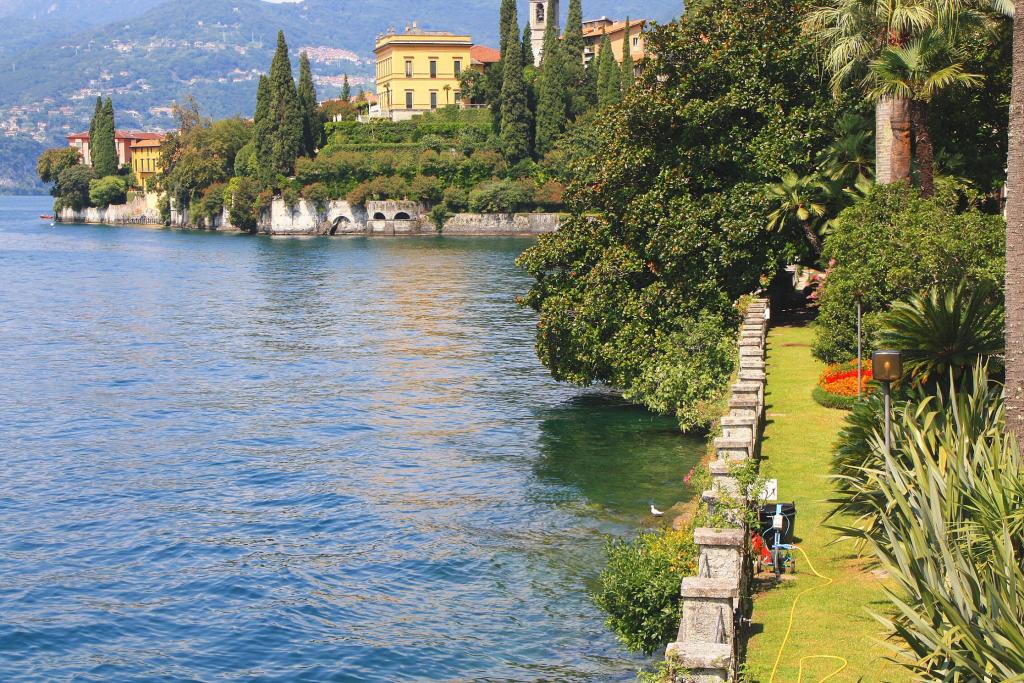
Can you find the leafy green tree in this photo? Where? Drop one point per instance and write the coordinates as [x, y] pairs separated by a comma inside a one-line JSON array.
[[609, 85], [312, 126], [893, 244], [528, 56], [515, 108], [103, 147], [285, 113], [668, 219], [106, 191], [241, 199], [628, 75], [55, 161], [577, 97], [553, 99], [74, 187], [346, 89]]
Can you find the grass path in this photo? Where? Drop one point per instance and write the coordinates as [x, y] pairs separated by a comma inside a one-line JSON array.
[[832, 620]]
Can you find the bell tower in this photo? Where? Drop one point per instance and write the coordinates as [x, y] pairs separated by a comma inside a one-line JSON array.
[[541, 12]]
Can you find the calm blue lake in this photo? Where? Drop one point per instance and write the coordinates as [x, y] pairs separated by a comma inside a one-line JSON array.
[[230, 457]]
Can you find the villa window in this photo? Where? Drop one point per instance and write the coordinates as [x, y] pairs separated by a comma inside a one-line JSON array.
[[458, 68], [636, 41], [458, 97], [408, 99], [433, 68], [433, 99], [408, 68]]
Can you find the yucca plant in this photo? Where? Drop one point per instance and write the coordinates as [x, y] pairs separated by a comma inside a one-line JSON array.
[[946, 331], [949, 532], [955, 416]]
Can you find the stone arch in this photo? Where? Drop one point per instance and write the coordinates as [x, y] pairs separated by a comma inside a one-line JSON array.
[[339, 221], [402, 216], [379, 216]]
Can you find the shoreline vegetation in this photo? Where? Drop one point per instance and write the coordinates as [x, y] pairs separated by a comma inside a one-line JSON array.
[[716, 167]]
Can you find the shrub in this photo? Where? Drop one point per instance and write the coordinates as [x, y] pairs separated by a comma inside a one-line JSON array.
[[893, 244], [439, 216], [245, 202], [106, 191], [499, 196], [947, 331], [319, 195], [377, 189], [833, 401], [456, 199], [426, 188], [549, 194], [290, 196], [639, 588]]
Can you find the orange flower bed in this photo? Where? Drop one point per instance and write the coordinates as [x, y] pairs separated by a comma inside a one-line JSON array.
[[841, 380]]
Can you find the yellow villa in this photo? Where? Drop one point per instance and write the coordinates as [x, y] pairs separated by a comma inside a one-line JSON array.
[[595, 31], [145, 156], [419, 70]]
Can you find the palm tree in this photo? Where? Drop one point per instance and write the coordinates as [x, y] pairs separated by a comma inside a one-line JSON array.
[[803, 200], [852, 33], [1015, 241], [850, 158], [915, 72]]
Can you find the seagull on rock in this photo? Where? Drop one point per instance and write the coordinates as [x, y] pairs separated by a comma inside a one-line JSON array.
[[656, 512]]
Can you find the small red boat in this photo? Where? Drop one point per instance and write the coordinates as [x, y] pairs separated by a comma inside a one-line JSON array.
[[46, 218]]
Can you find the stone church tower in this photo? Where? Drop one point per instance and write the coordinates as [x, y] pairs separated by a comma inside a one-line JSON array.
[[541, 12]]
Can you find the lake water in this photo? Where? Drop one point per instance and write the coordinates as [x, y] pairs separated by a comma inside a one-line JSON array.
[[231, 457]]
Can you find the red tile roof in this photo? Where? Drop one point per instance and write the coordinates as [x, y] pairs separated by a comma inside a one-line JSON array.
[[613, 28], [484, 55], [122, 135]]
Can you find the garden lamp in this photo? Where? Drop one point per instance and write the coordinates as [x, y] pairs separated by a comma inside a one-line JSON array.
[[887, 367]]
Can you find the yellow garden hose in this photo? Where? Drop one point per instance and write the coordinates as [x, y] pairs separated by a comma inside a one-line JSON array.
[[789, 630]]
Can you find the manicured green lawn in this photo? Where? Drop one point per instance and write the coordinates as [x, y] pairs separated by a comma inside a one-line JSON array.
[[834, 619]]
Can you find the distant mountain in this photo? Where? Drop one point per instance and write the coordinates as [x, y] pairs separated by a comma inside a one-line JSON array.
[[56, 56]]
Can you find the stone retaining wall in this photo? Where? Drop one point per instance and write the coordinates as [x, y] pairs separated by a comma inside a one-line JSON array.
[[339, 218], [706, 646]]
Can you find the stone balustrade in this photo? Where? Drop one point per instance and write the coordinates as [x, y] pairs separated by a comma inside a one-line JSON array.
[[712, 601]]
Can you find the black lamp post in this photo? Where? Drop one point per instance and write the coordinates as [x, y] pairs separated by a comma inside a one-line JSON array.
[[887, 367]]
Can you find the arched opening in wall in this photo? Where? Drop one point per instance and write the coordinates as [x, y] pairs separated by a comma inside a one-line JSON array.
[[401, 216], [342, 220], [379, 216]]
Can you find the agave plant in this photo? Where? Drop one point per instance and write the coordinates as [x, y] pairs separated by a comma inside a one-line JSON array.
[[950, 511], [946, 332]]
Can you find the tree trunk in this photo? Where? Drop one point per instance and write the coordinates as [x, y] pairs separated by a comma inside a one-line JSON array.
[[924, 152], [892, 140], [1015, 241], [900, 122], [812, 237]]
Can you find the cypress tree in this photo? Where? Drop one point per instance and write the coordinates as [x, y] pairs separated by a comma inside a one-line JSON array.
[[507, 19], [515, 108], [577, 96], [627, 62], [285, 111], [104, 149], [552, 110], [311, 124], [261, 133], [97, 115], [528, 57], [508, 25], [346, 90], [609, 89]]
